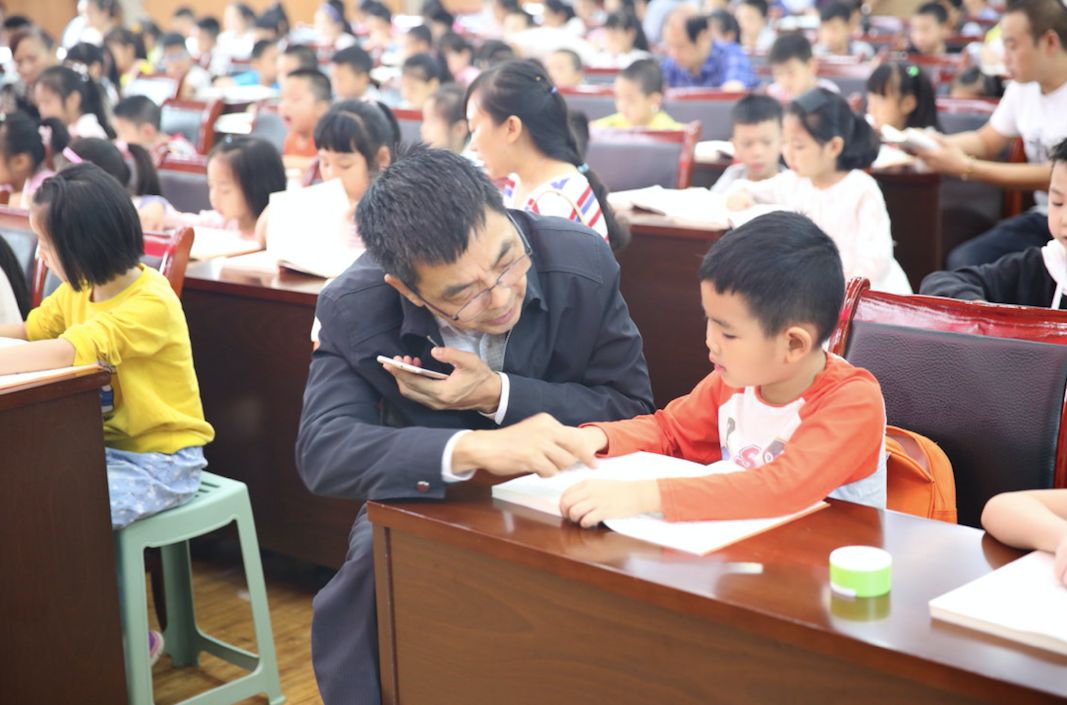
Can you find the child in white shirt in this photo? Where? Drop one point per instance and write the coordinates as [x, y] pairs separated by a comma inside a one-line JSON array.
[[827, 147]]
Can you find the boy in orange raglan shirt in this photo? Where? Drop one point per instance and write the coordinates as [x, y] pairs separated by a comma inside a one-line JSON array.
[[799, 423]]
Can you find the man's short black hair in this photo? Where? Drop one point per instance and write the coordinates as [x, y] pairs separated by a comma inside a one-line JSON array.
[[139, 110], [317, 83], [1058, 154], [789, 46], [646, 74], [935, 10], [16, 22], [355, 58], [422, 33], [754, 109], [209, 25], [786, 269], [423, 209], [173, 39], [695, 26], [91, 223], [261, 46], [726, 24], [373, 8], [305, 55], [422, 66], [836, 11]]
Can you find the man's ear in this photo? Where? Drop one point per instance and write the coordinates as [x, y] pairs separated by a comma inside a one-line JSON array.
[[404, 290], [799, 341]]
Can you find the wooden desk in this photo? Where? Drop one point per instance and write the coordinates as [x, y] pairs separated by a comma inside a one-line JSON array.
[[59, 600], [251, 347], [486, 602], [662, 289]]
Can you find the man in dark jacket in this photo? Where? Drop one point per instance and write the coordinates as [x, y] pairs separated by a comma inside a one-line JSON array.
[[525, 316], [1033, 277]]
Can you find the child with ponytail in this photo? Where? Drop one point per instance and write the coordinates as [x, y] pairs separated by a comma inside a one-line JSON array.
[[520, 130], [76, 99]]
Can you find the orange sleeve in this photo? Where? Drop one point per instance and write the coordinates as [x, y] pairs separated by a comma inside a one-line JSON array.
[[838, 441], [687, 428]]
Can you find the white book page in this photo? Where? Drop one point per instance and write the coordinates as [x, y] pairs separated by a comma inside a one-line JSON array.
[[697, 537], [20, 378], [309, 229], [1022, 601], [209, 243]]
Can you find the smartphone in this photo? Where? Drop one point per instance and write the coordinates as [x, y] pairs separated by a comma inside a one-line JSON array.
[[411, 368]]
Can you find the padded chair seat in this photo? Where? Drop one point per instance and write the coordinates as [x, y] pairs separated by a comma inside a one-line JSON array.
[[186, 191], [614, 162], [24, 244], [714, 116], [992, 404]]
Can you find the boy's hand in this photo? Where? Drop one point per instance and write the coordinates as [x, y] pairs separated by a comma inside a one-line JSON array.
[[539, 444], [471, 385], [740, 200], [590, 502]]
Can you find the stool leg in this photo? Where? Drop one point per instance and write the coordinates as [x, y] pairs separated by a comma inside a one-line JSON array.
[[257, 593], [134, 609], [182, 638]]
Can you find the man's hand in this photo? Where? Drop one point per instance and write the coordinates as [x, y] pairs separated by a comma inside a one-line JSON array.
[[947, 158], [539, 444], [590, 502], [472, 385]]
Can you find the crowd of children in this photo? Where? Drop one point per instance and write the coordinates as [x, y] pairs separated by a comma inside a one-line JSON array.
[[81, 141]]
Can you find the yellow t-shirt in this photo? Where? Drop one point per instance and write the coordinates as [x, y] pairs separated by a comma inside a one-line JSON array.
[[154, 405], [660, 121]]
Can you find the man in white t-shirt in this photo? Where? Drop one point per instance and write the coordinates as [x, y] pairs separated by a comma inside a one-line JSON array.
[[1034, 107]]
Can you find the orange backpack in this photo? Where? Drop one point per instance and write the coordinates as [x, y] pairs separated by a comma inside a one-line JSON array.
[[919, 476]]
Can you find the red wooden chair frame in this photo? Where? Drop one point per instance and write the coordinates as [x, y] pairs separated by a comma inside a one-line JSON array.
[[687, 137], [188, 164], [407, 115], [1029, 323], [172, 249], [209, 113]]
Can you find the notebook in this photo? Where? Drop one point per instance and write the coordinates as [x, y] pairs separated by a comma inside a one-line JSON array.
[[21, 378], [697, 537], [693, 206], [310, 229], [1022, 601], [210, 243]]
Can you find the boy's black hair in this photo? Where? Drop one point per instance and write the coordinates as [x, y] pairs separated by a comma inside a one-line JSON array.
[[908, 79], [422, 33], [789, 46], [646, 74], [1058, 154], [64, 81], [173, 39], [361, 127], [626, 21], [760, 5], [576, 61], [139, 110], [209, 25], [523, 89], [305, 56], [444, 17], [355, 58], [493, 52], [836, 11], [373, 8], [125, 37], [786, 269], [261, 46], [935, 10], [21, 134], [559, 7], [726, 24], [91, 224], [754, 109], [989, 86], [527, 18], [424, 67], [455, 43], [246, 12], [135, 171], [825, 115], [269, 22], [317, 83], [257, 166], [423, 209]]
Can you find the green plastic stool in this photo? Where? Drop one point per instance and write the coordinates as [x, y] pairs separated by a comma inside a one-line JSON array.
[[218, 502]]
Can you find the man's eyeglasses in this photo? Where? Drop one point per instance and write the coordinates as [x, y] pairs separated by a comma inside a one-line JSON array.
[[508, 277]]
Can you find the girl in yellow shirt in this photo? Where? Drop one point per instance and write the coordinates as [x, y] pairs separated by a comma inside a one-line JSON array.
[[639, 99], [113, 310]]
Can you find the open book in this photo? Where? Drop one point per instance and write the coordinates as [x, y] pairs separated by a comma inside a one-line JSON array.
[[310, 229], [699, 537], [210, 243], [693, 206], [20, 378], [1022, 601]]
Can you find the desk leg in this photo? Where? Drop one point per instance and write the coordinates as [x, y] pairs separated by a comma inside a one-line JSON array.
[[383, 580]]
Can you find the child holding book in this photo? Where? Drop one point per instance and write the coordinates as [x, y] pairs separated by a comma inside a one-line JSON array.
[[799, 423], [827, 148]]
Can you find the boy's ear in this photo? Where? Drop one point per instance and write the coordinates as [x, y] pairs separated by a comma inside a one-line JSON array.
[[403, 289], [799, 341]]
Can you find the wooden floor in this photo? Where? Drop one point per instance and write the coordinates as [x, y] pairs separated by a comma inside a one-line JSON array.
[[223, 611]]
